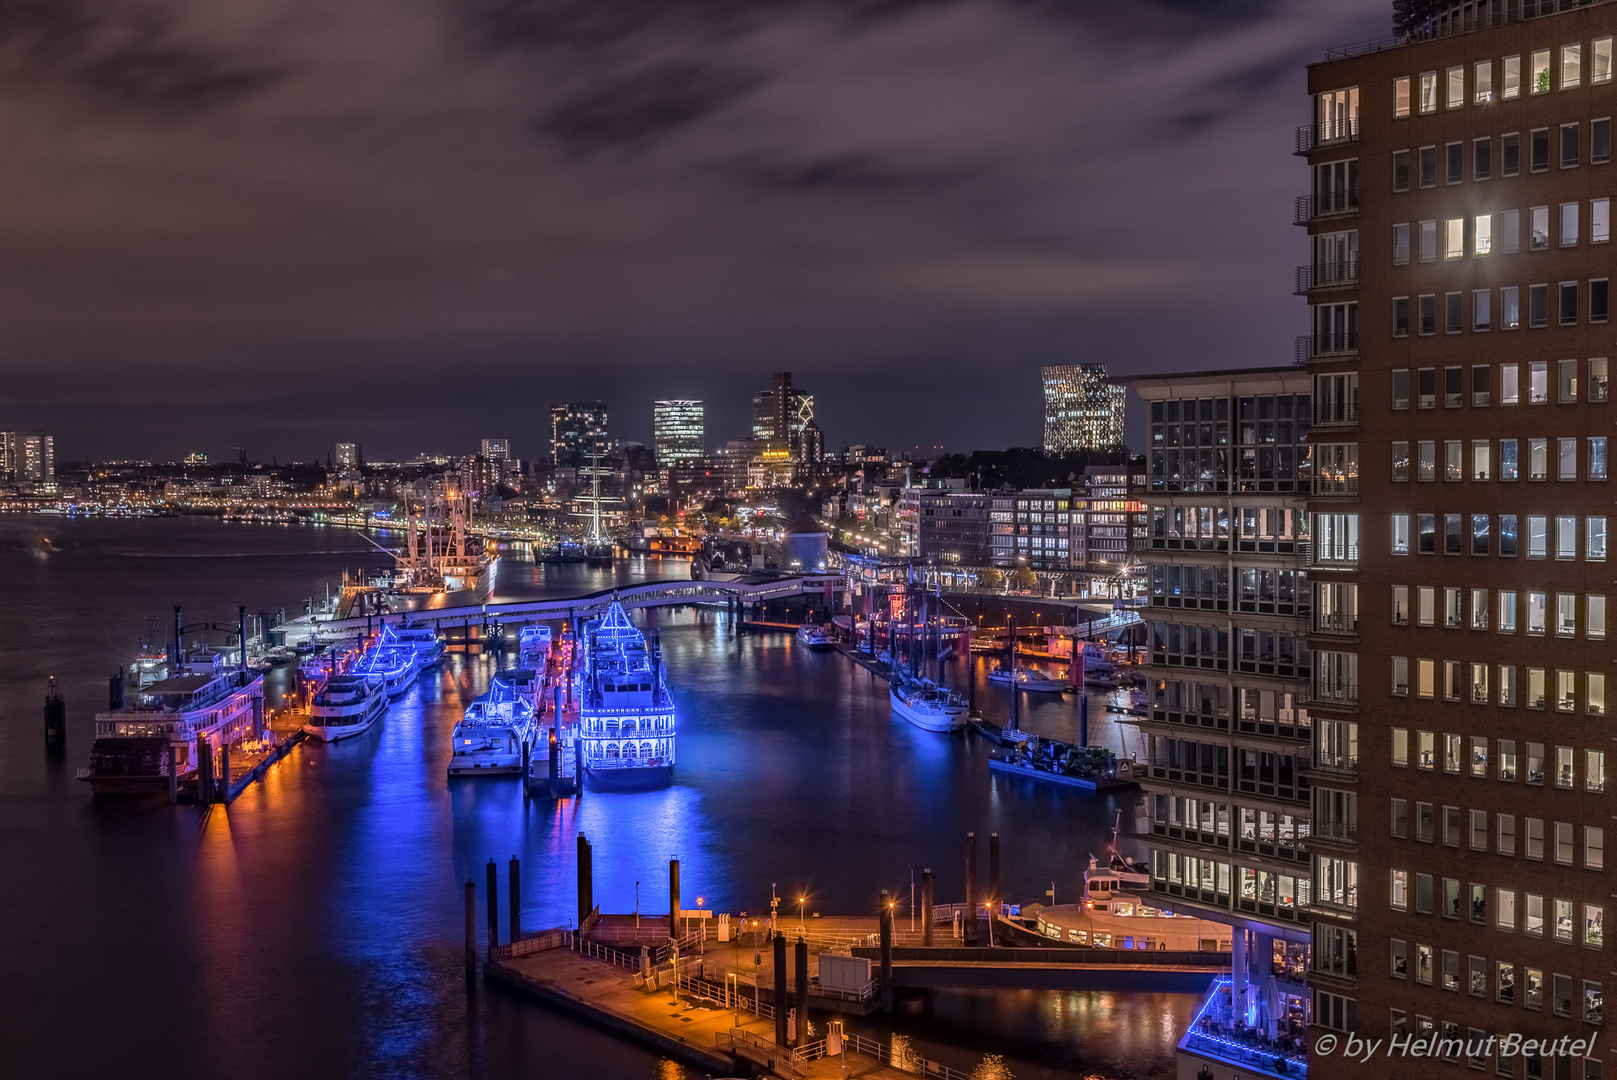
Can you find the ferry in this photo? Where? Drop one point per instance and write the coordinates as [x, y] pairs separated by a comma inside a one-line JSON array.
[[132, 748], [1026, 679], [927, 705], [814, 637], [346, 705], [626, 716], [498, 728]]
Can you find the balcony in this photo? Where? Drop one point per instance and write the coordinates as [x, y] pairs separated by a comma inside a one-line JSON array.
[[1339, 833], [1339, 695], [1343, 274], [1220, 1036], [1335, 487], [1333, 347], [1340, 765], [1330, 204], [1333, 414], [1336, 623], [1311, 137]]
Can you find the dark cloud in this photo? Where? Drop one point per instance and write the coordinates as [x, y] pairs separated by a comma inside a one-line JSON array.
[[414, 222], [632, 108]]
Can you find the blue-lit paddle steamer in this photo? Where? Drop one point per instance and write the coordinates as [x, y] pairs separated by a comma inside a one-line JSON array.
[[626, 716]]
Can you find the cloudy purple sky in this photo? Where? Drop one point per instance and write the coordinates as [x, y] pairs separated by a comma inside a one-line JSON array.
[[281, 223]]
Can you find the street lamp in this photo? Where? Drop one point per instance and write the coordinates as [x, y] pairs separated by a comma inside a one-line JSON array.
[[801, 900]]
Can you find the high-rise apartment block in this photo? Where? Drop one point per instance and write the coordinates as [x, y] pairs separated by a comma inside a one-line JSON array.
[[1083, 409], [346, 457], [578, 431], [678, 433], [28, 460], [1459, 229], [1229, 794], [496, 449]]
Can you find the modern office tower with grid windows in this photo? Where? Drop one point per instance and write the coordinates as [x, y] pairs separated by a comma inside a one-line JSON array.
[[1459, 233], [1230, 795]]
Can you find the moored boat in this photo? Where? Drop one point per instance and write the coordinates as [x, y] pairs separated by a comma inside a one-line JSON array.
[[172, 720], [498, 731], [393, 665], [347, 705], [1029, 680], [815, 637], [626, 715], [428, 647], [927, 705]]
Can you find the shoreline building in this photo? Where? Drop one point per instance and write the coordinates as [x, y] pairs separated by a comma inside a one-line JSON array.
[[28, 461], [1458, 283], [1229, 794], [1083, 409]]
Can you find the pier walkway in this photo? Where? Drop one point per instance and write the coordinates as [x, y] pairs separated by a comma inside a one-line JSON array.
[[708, 1025], [648, 594]]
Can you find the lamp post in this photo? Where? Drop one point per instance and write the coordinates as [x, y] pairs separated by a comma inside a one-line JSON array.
[[801, 900], [701, 948], [637, 905]]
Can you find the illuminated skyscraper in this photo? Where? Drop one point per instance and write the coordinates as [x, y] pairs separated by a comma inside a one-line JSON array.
[[780, 414], [678, 432], [577, 430], [347, 457], [497, 449], [1082, 409]]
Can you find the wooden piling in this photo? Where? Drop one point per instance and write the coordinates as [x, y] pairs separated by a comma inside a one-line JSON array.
[[673, 899], [926, 907], [971, 888], [516, 899], [993, 897], [887, 951], [493, 904], [800, 999], [471, 932], [586, 881], [780, 989]]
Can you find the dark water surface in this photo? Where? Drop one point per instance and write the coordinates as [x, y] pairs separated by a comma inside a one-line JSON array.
[[313, 928]]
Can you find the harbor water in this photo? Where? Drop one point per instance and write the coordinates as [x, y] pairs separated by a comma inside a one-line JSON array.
[[313, 927]]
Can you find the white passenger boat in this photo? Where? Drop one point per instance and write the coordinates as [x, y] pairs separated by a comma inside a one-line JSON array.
[[927, 705], [345, 706], [498, 726], [429, 649], [533, 646], [1029, 680], [183, 716], [394, 665], [626, 716], [814, 637]]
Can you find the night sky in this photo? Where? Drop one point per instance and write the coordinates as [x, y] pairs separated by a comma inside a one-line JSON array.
[[283, 223]]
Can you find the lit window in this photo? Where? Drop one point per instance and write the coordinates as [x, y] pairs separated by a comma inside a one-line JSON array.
[[1571, 66], [1400, 96], [1482, 89], [1428, 88], [1454, 235], [1481, 233]]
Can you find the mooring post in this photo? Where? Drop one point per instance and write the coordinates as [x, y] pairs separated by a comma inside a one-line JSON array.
[[586, 882], [241, 632], [174, 660], [673, 899], [222, 790], [1083, 718], [780, 989], [887, 952], [471, 931], [493, 905], [516, 899], [971, 888], [55, 715], [926, 907], [993, 897], [115, 690], [173, 773], [1016, 688], [800, 1000]]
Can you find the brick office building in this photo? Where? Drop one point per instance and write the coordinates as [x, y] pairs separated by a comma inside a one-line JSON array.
[[1458, 227]]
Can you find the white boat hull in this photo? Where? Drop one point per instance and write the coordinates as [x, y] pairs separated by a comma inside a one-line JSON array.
[[333, 727], [941, 719]]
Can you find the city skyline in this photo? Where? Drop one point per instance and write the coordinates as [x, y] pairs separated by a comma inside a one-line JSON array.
[[275, 239]]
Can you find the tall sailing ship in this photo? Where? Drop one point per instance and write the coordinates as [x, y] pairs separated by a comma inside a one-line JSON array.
[[626, 716], [440, 554]]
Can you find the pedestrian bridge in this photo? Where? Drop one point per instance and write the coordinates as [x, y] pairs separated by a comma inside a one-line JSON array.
[[644, 595]]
